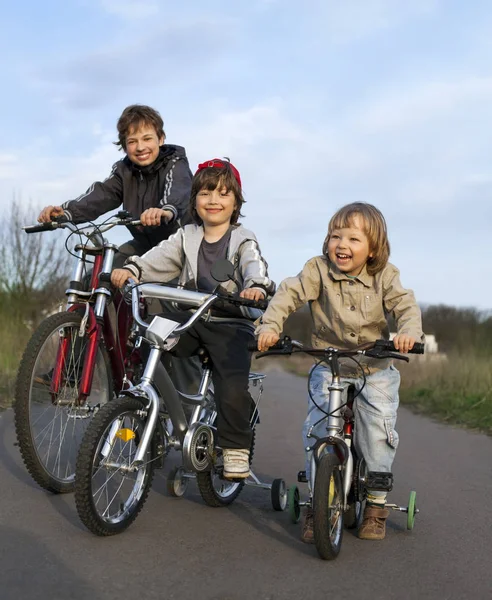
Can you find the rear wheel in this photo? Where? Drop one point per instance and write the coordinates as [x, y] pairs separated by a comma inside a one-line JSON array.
[[328, 507], [50, 426], [215, 490], [109, 492], [353, 516]]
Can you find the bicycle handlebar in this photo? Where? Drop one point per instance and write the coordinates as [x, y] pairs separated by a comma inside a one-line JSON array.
[[238, 301], [63, 223], [377, 349], [203, 301]]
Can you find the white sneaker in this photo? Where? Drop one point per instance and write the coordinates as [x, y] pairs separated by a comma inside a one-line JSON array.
[[236, 463]]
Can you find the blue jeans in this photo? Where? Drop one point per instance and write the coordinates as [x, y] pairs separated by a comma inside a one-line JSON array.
[[375, 416]]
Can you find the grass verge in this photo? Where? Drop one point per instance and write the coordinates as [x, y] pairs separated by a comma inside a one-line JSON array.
[[14, 335]]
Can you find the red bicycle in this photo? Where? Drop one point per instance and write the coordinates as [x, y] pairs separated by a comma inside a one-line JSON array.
[[75, 361]]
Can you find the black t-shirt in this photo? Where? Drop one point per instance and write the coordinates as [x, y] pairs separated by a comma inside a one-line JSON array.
[[208, 254]]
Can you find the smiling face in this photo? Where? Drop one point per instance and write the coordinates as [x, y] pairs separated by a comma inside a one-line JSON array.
[[142, 145], [215, 207], [348, 247]]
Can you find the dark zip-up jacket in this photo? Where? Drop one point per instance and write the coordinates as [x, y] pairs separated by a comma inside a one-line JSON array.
[[166, 183]]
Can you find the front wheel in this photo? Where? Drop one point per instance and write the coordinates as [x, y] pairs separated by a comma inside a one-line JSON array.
[[328, 507], [109, 490], [49, 426]]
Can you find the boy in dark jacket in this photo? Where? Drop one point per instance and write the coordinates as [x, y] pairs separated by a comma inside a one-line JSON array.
[[152, 182]]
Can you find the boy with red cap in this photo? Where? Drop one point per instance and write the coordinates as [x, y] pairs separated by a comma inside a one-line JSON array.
[[215, 205]]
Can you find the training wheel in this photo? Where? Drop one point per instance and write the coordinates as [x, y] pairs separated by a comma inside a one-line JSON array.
[[177, 482], [412, 510], [278, 494], [293, 499]]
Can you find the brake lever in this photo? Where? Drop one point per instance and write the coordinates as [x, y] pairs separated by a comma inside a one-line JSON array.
[[398, 356], [386, 354]]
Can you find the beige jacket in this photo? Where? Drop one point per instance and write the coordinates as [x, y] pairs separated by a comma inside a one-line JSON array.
[[345, 311]]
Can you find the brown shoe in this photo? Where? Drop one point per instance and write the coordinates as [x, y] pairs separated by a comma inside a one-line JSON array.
[[307, 534], [373, 526]]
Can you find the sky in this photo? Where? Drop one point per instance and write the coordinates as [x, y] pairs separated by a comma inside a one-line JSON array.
[[318, 104]]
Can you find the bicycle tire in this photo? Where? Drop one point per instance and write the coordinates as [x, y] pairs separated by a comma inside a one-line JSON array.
[[33, 403], [88, 467], [208, 484], [328, 507]]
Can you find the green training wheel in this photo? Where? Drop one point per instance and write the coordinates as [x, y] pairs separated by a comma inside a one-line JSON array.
[[293, 500], [412, 510]]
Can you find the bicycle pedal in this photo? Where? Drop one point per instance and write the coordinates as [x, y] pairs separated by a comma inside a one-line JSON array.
[[301, 477], [381, 481]]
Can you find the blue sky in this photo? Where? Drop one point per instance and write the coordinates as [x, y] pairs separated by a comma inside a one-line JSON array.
[[318, 104]]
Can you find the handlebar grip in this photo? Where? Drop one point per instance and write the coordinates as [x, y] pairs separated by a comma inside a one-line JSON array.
[[106, 277], [41, 227], [260, 304], [418, 347], [283, 346]]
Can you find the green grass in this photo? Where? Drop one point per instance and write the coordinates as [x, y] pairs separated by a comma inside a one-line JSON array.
[[14, 335], [456, 390]]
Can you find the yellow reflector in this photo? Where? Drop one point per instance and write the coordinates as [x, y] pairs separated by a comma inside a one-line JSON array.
[[125, 434]]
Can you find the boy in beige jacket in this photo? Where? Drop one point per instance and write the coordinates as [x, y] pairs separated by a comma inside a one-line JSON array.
[[350, 290]]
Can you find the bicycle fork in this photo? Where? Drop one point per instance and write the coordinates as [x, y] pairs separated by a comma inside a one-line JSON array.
[[339, 439]]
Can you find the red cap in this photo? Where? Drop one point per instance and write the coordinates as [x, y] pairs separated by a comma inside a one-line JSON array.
[[216, 162]]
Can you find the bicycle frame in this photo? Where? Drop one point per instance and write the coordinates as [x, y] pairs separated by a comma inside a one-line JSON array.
[[96, 322], [340, 431]]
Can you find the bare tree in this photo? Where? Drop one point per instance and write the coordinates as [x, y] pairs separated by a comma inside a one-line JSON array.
[[34, 268]]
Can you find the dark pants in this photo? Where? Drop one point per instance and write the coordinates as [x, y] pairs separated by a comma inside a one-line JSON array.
[[130, 248], [227, 346]]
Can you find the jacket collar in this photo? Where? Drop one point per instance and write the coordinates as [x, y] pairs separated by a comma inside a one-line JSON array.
[[193, 236], [363, 276], [165, 153]]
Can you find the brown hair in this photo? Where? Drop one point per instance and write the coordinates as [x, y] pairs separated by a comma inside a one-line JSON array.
[[209, 179], [373, 225], [135, 115]]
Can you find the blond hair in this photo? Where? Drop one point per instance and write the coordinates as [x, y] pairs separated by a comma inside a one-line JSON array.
[[374, 226]]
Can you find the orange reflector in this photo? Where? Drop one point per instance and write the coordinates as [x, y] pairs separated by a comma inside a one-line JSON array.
[[125, 434]]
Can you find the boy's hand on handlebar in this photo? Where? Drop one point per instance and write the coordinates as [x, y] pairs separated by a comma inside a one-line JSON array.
[[153, 216], [403, 343], [253, 294], [120, 276], [50, 212], [267, 340]]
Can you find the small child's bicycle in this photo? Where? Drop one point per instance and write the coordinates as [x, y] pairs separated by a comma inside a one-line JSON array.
[[130, 436], [339, 477]]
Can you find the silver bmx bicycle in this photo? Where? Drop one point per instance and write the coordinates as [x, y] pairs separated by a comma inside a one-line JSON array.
[[130, 437], [339, 477]]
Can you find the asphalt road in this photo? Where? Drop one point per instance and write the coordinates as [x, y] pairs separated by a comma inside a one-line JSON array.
[[180, 548]]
